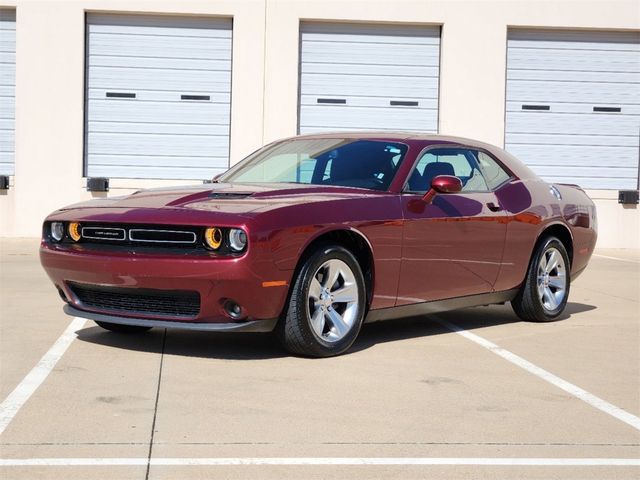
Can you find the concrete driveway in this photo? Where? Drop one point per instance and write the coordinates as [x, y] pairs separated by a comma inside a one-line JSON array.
[[473, 393]]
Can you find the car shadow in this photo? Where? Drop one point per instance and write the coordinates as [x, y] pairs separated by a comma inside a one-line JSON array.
[[573, 308], [467, 319], [187, 343], [261, 346]]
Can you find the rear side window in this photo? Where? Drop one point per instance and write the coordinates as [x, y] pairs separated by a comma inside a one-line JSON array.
[[494, 174], [458, 162]]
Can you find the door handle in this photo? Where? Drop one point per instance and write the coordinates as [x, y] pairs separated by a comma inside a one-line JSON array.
[[493, 207]]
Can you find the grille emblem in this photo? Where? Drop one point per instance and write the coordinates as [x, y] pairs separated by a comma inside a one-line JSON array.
[[103, 233]]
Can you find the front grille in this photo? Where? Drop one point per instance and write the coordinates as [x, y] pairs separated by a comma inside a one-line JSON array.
[[169, 303], [139, 235]]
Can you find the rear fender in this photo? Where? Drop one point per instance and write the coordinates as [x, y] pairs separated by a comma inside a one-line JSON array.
[[580, 216]]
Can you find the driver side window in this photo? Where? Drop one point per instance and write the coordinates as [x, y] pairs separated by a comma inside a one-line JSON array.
[[458, 162]]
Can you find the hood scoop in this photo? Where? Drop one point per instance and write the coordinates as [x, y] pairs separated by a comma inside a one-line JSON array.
[[230, 195]]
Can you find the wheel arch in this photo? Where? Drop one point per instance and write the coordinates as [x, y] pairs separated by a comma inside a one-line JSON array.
[[351, 239], [562, 232]]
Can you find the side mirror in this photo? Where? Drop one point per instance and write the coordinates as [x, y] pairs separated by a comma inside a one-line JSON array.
[[442, 184]]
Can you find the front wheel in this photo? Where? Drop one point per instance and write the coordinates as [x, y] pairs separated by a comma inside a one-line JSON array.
[[327, 304], [544, 294], [119, 328]]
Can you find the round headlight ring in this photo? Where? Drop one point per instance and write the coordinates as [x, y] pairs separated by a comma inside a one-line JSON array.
[[237, 239], [57, 231], [213, 238], [74, 231]]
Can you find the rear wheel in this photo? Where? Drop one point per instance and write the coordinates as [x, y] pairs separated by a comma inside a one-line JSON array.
[[119, 328], [327, 304], [544, 294]]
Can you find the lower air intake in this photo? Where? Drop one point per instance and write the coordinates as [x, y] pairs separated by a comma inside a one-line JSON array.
[[166, 303]]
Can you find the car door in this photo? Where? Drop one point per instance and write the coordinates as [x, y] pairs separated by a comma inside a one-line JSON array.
[[452, 245]]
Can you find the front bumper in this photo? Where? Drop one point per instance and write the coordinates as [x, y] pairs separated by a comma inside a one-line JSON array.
[[217, 280]]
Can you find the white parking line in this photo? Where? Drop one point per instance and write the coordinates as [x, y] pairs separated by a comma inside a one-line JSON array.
[[317, 461], [616, 258], [570, 388], [16, 399]]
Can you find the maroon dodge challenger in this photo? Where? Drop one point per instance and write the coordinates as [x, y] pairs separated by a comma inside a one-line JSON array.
[[314, 235]]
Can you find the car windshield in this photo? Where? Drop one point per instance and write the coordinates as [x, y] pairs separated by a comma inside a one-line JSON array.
[[368, 164]]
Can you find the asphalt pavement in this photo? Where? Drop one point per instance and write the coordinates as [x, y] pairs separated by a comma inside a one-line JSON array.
[[472, 393]]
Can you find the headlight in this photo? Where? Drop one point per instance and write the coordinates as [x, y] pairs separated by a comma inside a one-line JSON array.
[[74, 231], [237, 239], [57, 231], [213, 238]]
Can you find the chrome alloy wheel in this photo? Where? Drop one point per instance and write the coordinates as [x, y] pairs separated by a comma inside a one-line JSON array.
[[333, 300], [552, 279]]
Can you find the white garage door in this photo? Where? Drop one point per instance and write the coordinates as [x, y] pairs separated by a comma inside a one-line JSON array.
[[359, 77], [7, 90], [573, 106], [158, 96]]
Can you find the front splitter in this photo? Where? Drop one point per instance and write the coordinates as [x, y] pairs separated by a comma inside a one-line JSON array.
[[249, 326]]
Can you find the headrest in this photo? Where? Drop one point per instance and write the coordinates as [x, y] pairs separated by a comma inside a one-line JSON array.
[[434, 169], [363, 163]]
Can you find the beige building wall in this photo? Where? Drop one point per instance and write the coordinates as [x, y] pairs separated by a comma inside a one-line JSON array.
[[50, 82]]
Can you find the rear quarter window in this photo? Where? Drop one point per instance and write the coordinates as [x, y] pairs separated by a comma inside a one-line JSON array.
[[494, 174]]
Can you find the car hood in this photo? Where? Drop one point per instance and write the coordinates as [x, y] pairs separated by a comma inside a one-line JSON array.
[[226, 198]]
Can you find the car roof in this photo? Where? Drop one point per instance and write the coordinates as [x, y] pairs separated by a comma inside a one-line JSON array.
[[399, 136]]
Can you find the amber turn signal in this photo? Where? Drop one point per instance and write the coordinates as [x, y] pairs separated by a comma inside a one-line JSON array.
[[74, 231], [213, 238]]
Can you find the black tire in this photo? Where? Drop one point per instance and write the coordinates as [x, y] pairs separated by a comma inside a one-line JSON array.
[[294, 329], [527, 304], [119, 328]]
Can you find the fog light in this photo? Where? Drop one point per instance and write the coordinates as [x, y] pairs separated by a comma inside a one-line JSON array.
[[233, 309], [237, 239], [213, 238], [57, 231], [74, 231]]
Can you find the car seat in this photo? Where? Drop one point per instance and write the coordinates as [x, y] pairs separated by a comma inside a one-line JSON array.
[[435, 169]]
